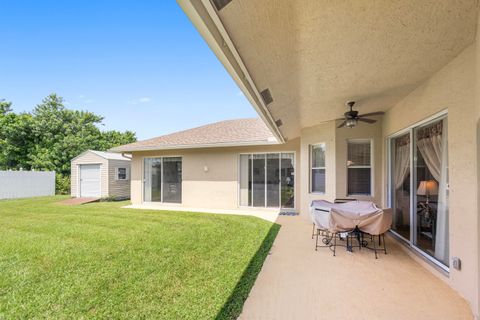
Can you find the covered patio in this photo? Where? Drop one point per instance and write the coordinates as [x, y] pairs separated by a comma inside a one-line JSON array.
[[297, 282], [413, 68]]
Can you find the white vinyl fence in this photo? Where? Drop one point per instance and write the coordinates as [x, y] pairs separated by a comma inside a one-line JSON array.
[[24, 184]]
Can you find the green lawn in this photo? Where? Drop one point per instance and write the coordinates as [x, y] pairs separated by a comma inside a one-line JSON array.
[[101, 261]]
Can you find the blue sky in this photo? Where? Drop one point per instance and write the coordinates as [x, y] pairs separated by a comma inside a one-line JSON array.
[[140, 64]]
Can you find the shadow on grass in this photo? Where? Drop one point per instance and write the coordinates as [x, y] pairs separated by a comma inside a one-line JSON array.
[[234, 305]]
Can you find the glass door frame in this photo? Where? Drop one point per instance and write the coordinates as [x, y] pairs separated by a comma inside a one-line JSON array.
[[161, 183], [413, 176], [280, 184]]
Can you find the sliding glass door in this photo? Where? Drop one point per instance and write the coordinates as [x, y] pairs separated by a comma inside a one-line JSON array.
[[162, 180], [419, 188], [267, 180], [431, 189], [258, 178]]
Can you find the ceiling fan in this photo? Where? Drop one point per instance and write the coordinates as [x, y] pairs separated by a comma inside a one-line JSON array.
[[351, 117]]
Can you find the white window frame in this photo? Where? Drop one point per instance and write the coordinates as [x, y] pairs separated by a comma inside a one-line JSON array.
[[371, 167], [117, 172], [310, 148]]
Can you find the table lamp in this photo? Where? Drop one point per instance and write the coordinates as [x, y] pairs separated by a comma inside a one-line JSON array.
[[427, 188]]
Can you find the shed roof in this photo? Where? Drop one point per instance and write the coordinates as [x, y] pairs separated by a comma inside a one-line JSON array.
[[105, 155]]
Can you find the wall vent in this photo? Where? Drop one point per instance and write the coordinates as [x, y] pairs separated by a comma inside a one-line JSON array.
[[220, 4], [278, 122], [266, 96]]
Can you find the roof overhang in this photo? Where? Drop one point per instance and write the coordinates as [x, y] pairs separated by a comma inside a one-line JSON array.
[[314, 55], [205, 19]]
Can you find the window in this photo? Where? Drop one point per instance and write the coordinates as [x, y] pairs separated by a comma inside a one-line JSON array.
[[317, 168], [359, 167], [162, 180], [121, 174]]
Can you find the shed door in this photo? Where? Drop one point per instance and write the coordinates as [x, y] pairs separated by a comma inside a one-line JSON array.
[[90, 180]]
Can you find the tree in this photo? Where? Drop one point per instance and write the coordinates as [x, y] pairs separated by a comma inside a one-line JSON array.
[[15, 137], [50, 136], [5, 107]]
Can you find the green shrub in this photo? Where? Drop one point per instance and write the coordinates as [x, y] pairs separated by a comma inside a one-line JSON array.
[[62, 184]]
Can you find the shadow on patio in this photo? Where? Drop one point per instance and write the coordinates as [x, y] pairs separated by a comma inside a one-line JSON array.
[[297, 282], [233, 307]]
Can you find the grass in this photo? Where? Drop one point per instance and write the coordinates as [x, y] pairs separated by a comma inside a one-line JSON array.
[[101, 261]]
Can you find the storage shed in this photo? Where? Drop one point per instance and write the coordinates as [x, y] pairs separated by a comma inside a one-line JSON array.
[[98, 174]]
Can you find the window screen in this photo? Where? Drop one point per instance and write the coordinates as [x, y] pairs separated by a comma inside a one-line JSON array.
[[359, 167]]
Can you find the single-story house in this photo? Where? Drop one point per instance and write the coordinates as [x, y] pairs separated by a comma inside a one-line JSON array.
[[298, 63], [99, 174]]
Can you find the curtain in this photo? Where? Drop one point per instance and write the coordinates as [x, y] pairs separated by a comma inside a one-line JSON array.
[[441, 238], [432, 144], [402, 160]]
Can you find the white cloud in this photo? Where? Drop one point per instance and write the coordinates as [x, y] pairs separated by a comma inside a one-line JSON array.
[[140, 100]]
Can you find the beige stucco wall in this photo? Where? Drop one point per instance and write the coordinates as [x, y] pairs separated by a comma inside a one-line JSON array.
[[361, 131], [336, 160], [322, 133], [216, 188], [452, 88], [476, 116]]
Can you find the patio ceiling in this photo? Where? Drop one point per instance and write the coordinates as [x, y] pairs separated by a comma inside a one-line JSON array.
[[314, 55]]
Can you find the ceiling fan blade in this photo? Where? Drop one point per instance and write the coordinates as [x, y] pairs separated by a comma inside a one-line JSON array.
[[342, 124], [372, 114], [367, 120]]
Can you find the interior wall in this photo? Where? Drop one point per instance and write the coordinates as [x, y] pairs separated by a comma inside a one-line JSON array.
[[452, 88], [216, 187]]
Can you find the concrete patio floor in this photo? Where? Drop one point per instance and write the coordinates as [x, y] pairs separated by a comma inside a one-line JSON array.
[[297, 282]]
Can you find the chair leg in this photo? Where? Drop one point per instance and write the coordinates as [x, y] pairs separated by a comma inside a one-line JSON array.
[[313, 230], [334, 243], [384, 244], [375, 247], [316, 241]]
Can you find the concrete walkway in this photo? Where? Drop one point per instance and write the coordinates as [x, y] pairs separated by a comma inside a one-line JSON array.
[[297, 282]]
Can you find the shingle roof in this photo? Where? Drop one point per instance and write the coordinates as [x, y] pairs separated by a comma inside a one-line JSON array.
[[224, 133]]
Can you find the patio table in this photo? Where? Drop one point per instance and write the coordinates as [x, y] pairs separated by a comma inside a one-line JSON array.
[[345, 217], [351, 218]]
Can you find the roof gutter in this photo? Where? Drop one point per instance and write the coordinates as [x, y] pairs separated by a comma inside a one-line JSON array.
[[205, 18]]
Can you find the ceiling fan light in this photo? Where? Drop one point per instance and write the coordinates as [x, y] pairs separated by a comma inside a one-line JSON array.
[[350, 123]]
